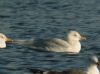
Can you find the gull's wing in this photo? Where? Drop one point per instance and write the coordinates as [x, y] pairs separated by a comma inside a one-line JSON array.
[[44, 44]]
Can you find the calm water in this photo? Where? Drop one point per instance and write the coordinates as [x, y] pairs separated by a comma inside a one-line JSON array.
[[25, 19]]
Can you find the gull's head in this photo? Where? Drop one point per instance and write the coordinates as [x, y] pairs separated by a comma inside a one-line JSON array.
[[75, 36], [3, 40], [94, 60]]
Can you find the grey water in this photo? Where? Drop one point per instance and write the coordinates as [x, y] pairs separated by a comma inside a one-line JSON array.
[[26, 19]]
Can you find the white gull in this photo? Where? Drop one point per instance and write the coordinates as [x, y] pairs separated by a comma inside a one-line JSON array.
[[70, 45]]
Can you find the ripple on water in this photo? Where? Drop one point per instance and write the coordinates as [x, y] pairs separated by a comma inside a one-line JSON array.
[[47, 19]]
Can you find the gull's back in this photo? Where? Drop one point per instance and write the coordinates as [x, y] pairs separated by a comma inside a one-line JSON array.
[[50, 44]]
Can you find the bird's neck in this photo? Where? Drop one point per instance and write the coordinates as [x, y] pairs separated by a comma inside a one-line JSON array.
[[75, 46], [2, 44], [92, 69]]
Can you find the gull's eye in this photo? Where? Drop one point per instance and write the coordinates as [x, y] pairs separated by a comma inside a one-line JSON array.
[[1, 36], [75, 35]]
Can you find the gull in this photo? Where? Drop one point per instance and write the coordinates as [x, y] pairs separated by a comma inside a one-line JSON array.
[[70, 45], [92, 68], [3, 40]]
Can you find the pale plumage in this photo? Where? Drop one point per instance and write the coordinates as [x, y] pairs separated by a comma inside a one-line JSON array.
[[3, 40], [93, 67], [70, 45]]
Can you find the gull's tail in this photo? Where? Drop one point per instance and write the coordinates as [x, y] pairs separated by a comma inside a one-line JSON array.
[[23, 42]]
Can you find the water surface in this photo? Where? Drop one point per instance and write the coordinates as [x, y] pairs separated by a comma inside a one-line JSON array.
[[26, 19]]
